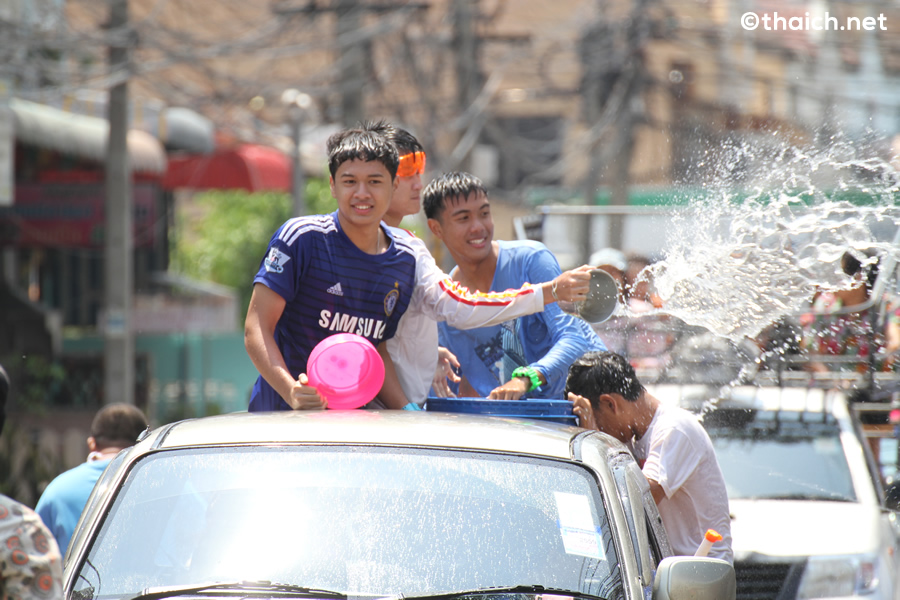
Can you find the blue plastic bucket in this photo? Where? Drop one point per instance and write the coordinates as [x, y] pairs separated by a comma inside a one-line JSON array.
[[559, 411]]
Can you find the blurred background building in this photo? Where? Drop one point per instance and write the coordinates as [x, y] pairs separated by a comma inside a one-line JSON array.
[[580, 102]]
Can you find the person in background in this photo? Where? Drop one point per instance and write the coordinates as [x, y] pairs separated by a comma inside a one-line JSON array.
[[671, 447], [639, 332], [613, 262], [779, 343], [833, 328], [650, 334], [638, 283], [842, 326], [529, 355], [114, 428], [30, 560]]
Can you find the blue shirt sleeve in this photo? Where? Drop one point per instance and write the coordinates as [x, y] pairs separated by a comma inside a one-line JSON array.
[[280, 269], [47, 511], [571, 337]]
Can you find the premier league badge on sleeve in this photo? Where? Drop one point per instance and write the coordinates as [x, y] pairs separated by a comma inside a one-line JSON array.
[[276, 260]]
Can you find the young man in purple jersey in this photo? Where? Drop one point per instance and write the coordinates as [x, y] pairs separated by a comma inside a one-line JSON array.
[[328, 274]]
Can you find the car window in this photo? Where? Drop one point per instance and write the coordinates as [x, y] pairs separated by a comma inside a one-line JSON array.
[[780, 455], [357, 520]]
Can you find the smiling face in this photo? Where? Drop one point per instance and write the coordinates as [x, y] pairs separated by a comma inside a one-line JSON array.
[[363, 191], [466, 227]]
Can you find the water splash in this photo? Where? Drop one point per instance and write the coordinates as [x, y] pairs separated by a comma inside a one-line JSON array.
[[769, 229]]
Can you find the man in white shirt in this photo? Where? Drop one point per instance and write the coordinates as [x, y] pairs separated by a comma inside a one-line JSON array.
[[671, 447]]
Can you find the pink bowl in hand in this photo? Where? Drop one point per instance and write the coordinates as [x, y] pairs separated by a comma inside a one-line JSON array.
[[346, 369]]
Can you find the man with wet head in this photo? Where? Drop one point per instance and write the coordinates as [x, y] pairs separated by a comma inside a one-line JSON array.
[[668, 442]]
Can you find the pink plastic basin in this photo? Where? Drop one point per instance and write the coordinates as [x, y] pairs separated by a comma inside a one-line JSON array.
[[346, 369]]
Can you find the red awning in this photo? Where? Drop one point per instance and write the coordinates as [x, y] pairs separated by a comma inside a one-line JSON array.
[[246, 167]]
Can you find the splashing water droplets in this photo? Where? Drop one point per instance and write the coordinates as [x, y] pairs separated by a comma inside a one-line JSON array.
[[739, 260]]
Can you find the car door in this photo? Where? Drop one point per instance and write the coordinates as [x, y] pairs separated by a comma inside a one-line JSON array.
[[644, 523]]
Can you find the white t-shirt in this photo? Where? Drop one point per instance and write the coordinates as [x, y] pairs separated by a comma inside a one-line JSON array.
[[677, 453], [436, 297]]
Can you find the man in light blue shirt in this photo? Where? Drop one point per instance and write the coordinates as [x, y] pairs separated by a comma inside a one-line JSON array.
[[526, 356], [115, 427]]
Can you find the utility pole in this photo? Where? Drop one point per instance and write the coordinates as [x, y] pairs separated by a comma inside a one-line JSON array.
[[298, 177], [298, 104], [468, 78], [618, 191], [632, 66], [352, 63], [117, 333], [598, 75], [7, 143], [613, 73], [623, 149], [352, 59]]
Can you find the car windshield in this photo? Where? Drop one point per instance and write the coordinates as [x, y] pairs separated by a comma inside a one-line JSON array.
[[362, 521], [781, 455]]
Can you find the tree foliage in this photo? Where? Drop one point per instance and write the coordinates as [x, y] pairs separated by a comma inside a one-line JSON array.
[[225, 239]]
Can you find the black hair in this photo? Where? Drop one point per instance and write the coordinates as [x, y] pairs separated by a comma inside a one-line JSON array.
[[117, 425], [404, 140], [851, 265], [598, 373], [361, 144], [449, 186]]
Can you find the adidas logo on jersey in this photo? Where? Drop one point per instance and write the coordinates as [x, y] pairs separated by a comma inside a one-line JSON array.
[[336, 289]]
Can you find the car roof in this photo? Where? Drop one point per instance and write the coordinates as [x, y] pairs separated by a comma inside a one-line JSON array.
[[367, 427]]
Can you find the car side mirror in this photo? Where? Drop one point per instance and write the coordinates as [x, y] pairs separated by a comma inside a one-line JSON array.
[[693, 578], [892, 496]]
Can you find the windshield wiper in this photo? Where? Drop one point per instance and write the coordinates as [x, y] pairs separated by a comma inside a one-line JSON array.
[[802, 496], [265, 589], [516, 589]]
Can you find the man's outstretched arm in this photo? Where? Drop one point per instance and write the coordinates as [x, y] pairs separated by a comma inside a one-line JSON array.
[[266, 307]]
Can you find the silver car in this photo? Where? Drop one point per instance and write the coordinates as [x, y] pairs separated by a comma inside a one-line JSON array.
[[369, 504], [810, 519]]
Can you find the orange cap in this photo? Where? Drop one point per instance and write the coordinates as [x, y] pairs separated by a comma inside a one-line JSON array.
[[713, 536]]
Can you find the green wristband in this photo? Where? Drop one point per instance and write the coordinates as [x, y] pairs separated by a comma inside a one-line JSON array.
[[530, 374]]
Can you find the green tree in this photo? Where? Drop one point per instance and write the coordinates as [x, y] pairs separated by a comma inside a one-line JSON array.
[[224, 239]]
